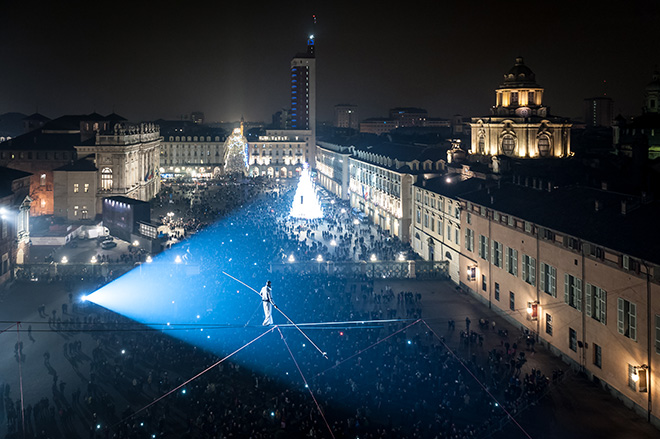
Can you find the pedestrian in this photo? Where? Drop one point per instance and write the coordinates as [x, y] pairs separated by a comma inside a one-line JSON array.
[[467, 324], [267, 300]]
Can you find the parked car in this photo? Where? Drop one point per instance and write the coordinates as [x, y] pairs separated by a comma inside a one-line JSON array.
[[108, 244]]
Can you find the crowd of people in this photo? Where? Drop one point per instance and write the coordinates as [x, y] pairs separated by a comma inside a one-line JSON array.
[[381, 380]]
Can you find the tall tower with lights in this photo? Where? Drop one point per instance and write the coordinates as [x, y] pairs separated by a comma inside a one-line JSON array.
[[303, 89]]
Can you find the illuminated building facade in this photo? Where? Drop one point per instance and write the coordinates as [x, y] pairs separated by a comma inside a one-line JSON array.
[[51, 146], [127, 157], [436, 227], [381, 179], [520, 125], [281, 153], [191, 151], [585, 291], [332, 167], [14, 221]]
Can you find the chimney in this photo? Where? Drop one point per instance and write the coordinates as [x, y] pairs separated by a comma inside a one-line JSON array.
[[597, 205], [623, 207]]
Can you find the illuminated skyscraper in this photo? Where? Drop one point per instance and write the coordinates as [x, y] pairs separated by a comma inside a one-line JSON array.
[[303, 89]]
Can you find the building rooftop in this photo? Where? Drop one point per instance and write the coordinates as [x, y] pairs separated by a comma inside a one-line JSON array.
[[572, 210]]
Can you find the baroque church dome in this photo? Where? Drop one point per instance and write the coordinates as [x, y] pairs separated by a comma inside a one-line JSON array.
[[519, 76]]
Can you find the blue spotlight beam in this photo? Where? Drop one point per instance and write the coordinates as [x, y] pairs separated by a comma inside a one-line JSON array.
[[325, 355]]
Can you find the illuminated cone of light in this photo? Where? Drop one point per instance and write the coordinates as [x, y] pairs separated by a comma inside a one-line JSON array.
[[306, 203]]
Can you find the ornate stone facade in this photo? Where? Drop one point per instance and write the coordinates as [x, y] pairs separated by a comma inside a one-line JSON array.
[[520, 125], [128, 158]]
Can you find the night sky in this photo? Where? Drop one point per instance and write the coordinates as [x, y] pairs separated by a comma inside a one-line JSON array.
[[228, 59]]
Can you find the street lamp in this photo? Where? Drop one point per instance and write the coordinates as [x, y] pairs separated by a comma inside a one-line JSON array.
[[93, 260], [178, 259], [65, 259], [373, 258], [291, 258], [319, 258], [149, 259]]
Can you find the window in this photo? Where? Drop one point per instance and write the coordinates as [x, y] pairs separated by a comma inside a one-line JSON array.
[[508, 144], [76, 187], [512, 261], [419, 217], [5, 228], [469, 240], [426, 220], [432, 224], [657, 334], [529, 269], [596, 307], [512, 301], [440, 227], [572, 339], [548, 324], [483, 247], [42, 179], [86, 187], [497, 254], [106, 179], [627, 318], [75, 210], [457, 237], [497, 291], [449, 232], [598, 356], [548, 281], [573, 291], [484, 284], [632, 371], [468, 217]]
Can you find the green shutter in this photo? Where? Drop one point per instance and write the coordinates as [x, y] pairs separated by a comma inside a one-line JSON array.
[[578, 294], [619, 322], [588, 299], [542, 280], [566, 292], [603, 307], [633, 321]]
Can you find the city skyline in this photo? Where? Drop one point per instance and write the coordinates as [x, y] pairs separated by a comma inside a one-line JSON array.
[[147, 63]]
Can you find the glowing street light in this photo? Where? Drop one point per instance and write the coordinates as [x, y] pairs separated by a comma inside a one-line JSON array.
[[136, 243], [65, 259], [292, 258], [373, 258], [149, 259], [333, 243], [93, 260], [178, 259], [319, 258], [402, 257]]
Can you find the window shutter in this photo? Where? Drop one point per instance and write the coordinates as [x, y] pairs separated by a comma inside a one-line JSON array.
[[525, 260], [492, 254], [619, 322], [587, 307], [515, 262], [566, 292], [532, 269], [603, 307], [542, 280], [578, 294], [506, 257], [633, 321]]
